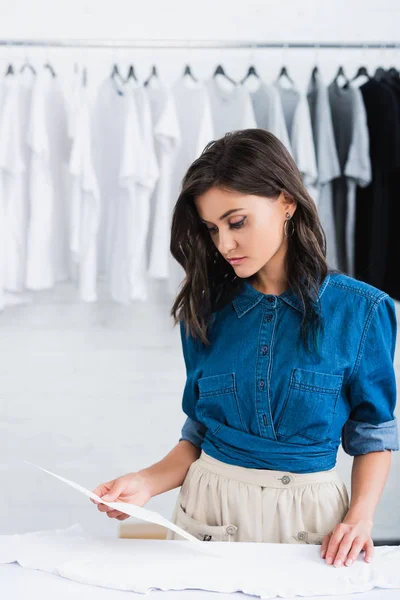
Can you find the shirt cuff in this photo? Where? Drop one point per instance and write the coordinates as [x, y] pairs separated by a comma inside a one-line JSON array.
[[360, 437], [193, 431]]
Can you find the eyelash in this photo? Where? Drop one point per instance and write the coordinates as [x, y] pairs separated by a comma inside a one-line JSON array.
[[237, 225]]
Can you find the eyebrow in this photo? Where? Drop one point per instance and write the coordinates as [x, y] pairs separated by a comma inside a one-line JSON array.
[[226, 214]]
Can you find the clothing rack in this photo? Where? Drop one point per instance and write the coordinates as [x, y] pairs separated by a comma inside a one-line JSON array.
[[166, 43]]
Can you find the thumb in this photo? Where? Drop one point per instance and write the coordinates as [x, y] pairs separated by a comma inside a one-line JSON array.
[[114, 492]]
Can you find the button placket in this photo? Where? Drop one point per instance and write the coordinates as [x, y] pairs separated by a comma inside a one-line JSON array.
[[263, 367]]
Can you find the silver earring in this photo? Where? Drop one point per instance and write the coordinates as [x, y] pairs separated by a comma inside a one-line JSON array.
[[288, 217]]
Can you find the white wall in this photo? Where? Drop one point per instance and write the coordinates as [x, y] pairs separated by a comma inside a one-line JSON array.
[[93, 391]]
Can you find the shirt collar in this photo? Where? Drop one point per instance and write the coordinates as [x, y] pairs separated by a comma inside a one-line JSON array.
[[248, 297]]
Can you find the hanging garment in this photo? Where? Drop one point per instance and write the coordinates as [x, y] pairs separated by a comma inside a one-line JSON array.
[[196, 125], [352, 145], [15, 166], [140, 186], [167, 137], [47, 251], [85, 203], [327, 160], [108, 127], [392, 280], [268, 112], [373, 203], [298, 122], [128, 172], [231, 109]]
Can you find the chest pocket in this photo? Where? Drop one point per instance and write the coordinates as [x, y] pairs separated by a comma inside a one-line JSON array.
[[218, 402], [309, 406]]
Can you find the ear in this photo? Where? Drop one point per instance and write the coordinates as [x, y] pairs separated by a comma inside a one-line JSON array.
[[288, 200]]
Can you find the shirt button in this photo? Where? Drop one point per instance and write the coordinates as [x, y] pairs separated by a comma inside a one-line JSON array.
[[302, 535], [231, 529], [264, 349], [269, 318], [285, 479], [262, 383], [270, 299]]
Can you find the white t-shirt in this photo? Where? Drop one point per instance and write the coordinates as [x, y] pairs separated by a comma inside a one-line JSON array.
[[196, 125], [47, 253], [140, 184], [15, 165], [231, 109], [167, 136], [127, 166], [85, 202]]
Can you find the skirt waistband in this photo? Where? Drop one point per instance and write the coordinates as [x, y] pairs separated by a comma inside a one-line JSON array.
[[265, 477]]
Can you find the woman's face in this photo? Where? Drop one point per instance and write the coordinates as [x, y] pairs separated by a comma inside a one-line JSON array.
[[245, 226]]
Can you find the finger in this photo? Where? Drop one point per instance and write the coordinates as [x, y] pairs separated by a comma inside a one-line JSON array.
[[355, 550], [333, 547], [343, 550], [104, 508], [123, 517], [369, 550], [113, 514], [324, 545]]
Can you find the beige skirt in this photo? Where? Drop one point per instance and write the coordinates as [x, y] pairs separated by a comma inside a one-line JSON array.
[[223, 502]]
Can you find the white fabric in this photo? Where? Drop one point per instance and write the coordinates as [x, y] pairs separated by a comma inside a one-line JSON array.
[[126, 164], [167, 139], [47, 254], [262, 570], [14, 166], [196, 126], [84, 202], [232, 108]]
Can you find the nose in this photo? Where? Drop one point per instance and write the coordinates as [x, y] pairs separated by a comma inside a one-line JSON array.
[[226, 243]]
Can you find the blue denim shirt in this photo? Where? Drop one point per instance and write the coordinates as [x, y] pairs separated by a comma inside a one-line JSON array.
[[256, 399]]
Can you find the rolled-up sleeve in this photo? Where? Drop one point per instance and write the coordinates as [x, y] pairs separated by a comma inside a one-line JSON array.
[[372, 425], [192, 430]]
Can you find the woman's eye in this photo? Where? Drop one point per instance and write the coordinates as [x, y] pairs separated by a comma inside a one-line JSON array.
[[238, 225]]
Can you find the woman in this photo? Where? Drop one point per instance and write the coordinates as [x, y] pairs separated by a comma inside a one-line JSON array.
[[284, 357]]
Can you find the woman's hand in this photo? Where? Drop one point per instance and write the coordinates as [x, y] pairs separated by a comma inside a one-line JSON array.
[[133, 488], [343, 545]]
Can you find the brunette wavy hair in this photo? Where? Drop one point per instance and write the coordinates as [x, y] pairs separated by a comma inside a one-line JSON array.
[[248, 161]]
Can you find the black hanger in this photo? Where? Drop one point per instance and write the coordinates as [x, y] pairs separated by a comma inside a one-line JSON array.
[[48, 66], [10, 70], [284, 73], [393, 72], [131, 73], [115, 72], [187, 71], [220, 71], [361, 71], [152, 74], [27, 65], [340, 71], [251, 71], [380, 74]]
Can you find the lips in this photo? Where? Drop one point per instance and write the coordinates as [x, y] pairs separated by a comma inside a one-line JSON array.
[[235, 261]]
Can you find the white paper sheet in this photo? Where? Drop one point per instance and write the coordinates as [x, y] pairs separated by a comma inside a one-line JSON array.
[[135, 511]]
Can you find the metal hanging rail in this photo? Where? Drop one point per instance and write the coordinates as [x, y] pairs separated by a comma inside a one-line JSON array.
[[167, 43]]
